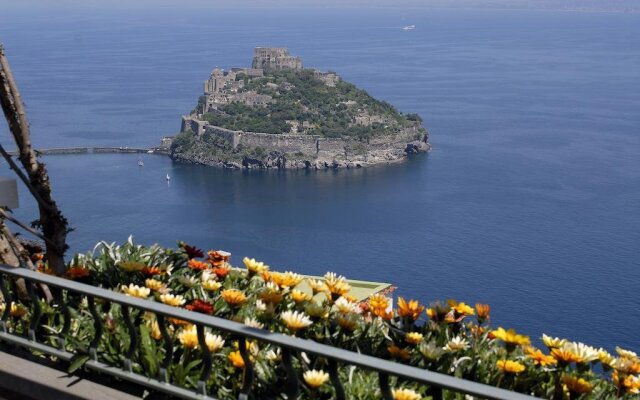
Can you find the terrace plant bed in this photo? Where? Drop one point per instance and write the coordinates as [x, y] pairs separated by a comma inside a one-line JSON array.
[[446, 337]]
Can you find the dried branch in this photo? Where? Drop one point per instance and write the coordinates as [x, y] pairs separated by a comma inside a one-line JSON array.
[[54, 224], [3, 214]]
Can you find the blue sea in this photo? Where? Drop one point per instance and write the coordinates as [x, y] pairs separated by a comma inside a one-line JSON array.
[[529, 201]]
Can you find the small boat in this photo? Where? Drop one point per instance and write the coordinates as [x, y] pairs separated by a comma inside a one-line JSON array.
[[140, 163], [409, 28], [168, 177]]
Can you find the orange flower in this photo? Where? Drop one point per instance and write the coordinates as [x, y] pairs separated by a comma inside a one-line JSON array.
[[483, 312], [398, 353], [236, 359], [378, 301], [44, 268], [179, 322], [197, 265], [539, 358], [77, 272], [412, 309], [151, 271], [200, 306], [222, 271], [218, 258]]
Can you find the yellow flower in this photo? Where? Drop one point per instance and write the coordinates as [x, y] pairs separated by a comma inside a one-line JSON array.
[[413, 338], [405, 394], [626, 353], [236, 359], [584, 352], [316, 310], [336, 284], [430, 351], [606, 358], [510, 367], [431, 313], [131, 266], [626, 366], [214, 342], [463, 309], [172, 300], [565, 356], [456, 344], [254, 323], [211, 285], [271, 293], [154, 284], [348, 322], [295, 320], [299, 296], [510, 337], [17, 310], [234, 297], [630, 384], [254, 267], [315, 378], [412, 309], [553, 343], [154, 329], [576, 385], [189, 337], [286, 279], [317, 286], [345, 306], [135, 291]]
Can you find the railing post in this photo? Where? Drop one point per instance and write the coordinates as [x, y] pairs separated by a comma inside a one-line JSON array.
[[98, 326], [37, 310], [248, 369], [206, 360]]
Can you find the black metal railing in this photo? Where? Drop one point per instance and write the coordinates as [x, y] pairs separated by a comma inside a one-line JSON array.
[[58, 347]]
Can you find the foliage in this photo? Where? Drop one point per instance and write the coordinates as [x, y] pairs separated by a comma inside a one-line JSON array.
[[448, 337], [301, 97]]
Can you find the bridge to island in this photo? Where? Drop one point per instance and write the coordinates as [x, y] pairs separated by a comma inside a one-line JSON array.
[[99, 150]]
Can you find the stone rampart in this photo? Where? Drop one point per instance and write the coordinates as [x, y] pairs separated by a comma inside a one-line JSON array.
[[312, 145]]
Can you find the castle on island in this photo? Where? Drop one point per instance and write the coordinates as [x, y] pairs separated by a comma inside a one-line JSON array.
[[225, 87]]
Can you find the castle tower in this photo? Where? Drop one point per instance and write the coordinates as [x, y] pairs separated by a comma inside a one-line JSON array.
[[274, 59]]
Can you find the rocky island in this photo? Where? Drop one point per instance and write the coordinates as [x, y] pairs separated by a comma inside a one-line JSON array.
[[278, 114]]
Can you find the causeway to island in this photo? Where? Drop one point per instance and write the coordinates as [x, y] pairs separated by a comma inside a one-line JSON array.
[[278, 114]]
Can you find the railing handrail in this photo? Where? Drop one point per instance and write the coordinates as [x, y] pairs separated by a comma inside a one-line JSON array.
[[346, 356]]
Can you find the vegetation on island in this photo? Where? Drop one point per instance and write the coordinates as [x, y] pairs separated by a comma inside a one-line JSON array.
[[325, 110], [450, 337]]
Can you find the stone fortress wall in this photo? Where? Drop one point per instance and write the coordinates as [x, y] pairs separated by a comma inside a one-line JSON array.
[[310, 145]]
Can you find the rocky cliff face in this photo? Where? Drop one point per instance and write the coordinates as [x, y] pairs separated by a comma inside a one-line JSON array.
[[223, 148]]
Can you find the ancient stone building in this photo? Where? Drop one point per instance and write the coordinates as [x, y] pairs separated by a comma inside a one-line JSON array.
[[275, 59], [328, 78]]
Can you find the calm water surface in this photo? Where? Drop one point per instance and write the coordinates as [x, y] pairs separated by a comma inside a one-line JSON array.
[[530, 200]]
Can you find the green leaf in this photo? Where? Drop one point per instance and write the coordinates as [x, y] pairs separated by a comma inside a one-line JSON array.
[[77, 362]]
